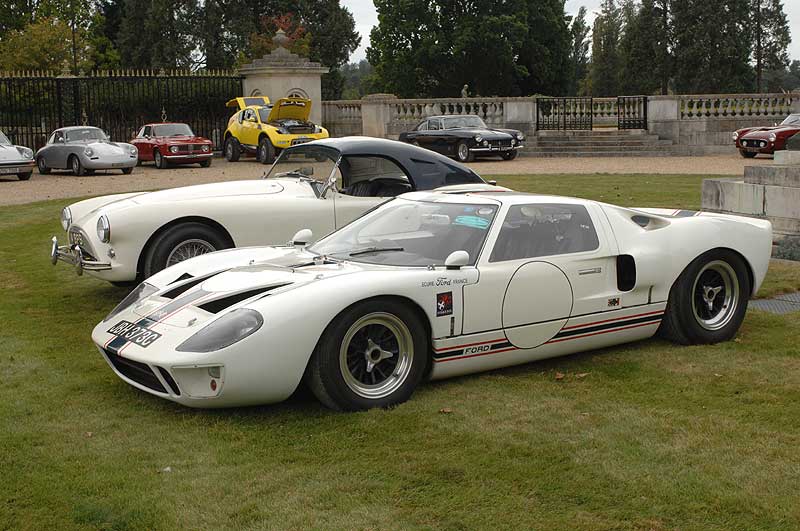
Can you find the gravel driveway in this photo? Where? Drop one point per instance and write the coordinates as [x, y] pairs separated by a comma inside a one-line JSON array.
[[63, 185]]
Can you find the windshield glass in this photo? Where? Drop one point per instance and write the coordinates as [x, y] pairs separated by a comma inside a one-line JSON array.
[[3, 139], [305, 162], [84, 135], [172, 130], [263, 113], [792, 119], [411, 233], [463, 121]]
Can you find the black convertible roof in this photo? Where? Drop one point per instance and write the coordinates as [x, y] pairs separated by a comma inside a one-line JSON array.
[[427, 169]]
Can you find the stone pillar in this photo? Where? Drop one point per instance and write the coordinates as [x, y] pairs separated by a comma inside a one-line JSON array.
[[663, 113], [376, 114], [520, 113], [281, 74]]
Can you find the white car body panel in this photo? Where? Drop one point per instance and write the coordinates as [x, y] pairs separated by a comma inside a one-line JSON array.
[[503, 313]]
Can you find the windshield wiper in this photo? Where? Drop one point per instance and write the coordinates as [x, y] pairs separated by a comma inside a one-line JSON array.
[[293, 173], [368, 250]]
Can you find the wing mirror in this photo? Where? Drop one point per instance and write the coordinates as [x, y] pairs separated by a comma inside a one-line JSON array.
[[493, 183], [457, 260], [302, 238]]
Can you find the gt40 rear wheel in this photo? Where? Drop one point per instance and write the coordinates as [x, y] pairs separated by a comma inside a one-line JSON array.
[[708, 302], [374, 354]]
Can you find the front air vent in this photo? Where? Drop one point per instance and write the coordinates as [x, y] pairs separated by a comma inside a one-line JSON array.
[[218, 305], [185, 276], [170, 380], [183, 288]]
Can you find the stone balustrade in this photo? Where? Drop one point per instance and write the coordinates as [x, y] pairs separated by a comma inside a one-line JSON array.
[[701, 123]]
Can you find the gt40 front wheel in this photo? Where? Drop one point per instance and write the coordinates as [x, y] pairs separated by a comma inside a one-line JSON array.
[[373, 354], [708, 302]]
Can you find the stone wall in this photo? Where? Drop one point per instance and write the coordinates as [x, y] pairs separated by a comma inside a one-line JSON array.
[[701, 123]]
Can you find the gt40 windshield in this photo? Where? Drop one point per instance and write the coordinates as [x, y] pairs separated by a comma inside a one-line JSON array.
[[411, 233]]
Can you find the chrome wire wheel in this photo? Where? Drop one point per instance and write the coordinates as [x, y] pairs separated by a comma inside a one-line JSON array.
[[376, 355], [715, 295], [463, 151], [189, 249]]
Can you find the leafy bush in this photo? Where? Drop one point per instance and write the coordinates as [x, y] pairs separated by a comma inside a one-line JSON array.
[[789, 248]]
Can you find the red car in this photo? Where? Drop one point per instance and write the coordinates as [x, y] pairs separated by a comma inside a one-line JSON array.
[[172, 143], [767, 140]]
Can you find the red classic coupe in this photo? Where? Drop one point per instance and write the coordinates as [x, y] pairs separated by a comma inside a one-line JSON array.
[[767, 140], [172, 143]]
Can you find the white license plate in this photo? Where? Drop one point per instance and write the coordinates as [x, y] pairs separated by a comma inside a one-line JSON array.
[[8, 171], [139, 335]]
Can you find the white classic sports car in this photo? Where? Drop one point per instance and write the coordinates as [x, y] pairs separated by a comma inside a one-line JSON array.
[[432, 285], [320, 185], [15, 160]]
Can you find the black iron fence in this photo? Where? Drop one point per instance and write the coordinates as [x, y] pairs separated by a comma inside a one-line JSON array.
[[119, 102], [567, 114], [632, 112]]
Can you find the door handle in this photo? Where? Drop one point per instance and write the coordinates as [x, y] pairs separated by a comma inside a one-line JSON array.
[[590, 271]]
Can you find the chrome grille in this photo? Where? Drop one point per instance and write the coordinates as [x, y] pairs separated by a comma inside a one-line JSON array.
[[77, 237]]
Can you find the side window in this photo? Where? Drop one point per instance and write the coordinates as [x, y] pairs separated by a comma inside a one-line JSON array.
[[52, 139], [241, 116], [59, 136], [146, 131], [434, 125], [423, 126], [367, 176], [536, 230]]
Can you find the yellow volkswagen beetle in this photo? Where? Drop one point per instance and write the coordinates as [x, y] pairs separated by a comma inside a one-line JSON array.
[[264, 129]]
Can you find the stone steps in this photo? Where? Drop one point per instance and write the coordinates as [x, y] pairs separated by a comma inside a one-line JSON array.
[[627, 153], [610, 143]]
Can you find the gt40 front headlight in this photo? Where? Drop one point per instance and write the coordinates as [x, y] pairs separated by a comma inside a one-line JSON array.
[[139, 292], [103, 229], [66, 217], [224, 332]]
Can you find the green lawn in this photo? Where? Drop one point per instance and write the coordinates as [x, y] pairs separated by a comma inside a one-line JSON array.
[[643, 436]]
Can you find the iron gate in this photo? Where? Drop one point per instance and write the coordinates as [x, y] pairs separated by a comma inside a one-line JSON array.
[[118, 102], [632, 112], [566, 114]]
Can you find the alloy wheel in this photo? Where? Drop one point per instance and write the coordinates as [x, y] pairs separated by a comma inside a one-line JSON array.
[[715, 295]]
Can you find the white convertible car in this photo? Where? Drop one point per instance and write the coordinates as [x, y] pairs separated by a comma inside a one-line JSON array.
[[432, 285], [320, 185]]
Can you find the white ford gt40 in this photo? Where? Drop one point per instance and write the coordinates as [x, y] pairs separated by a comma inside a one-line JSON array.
[[431, 284]]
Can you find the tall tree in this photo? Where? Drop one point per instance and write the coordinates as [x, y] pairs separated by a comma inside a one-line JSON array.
[[644, 50], [771, 38], [605, 67], [545, 50], [712, 46], [579, 52], [157, 34]]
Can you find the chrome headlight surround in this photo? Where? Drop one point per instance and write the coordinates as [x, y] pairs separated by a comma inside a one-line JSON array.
[[133, 151], [478, 139], [206, 148], [224, 332], [88, 152], [735, 135], [66, 218], [520, 136], [140, 292], [103, 229], [27, 153], [173, 149], [773, 137]]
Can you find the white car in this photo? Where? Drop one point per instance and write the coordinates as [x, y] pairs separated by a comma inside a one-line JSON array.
[[321, 185], [432, 285]]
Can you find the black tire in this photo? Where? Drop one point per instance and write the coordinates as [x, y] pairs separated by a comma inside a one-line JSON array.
[[127, 171], [159, 253], [357, 326], [232, 149], [747, 154], [76, 166], [206, 163], [159, 160], [463, 154], [509, 155], [265, 154], [24, 176], [138, 162], [41, 165], [700, 313]]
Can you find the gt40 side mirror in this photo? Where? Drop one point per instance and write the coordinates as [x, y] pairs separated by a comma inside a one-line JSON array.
[[302, 238], [457, 260]]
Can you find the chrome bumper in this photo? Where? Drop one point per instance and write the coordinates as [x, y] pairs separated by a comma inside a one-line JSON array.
[[490, 149], [73, 255], [190, 156]]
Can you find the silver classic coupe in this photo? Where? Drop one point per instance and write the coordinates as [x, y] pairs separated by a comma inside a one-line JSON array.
[[83, 150], [15, 160]]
